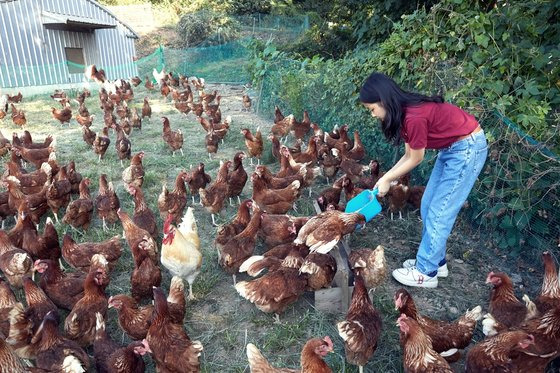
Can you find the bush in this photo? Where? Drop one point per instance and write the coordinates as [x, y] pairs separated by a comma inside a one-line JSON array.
[[206, 27]]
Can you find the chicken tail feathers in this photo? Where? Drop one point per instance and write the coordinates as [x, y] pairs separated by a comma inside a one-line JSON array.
[[247, 264], [474, 314], [489, 324], [323, 247], [257, 362]]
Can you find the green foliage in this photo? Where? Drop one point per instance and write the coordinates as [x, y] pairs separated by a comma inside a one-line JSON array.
[[206, 27]]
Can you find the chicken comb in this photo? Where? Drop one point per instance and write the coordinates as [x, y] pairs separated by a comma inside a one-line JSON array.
[[328, 341]]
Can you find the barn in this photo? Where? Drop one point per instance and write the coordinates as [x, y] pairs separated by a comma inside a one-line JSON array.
[[48, 42]]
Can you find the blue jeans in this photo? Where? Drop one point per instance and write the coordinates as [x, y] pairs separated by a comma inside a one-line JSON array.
[[454, 174]]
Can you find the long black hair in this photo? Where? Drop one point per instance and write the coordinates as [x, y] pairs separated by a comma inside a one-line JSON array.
[[379, 88]]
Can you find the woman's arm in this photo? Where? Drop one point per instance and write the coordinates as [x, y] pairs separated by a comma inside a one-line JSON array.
[[410, 159]]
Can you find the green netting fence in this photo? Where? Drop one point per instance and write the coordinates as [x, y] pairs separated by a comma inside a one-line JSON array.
[[515, 204]]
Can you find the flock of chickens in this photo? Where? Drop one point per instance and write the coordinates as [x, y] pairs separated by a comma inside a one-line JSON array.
[[522, 336]]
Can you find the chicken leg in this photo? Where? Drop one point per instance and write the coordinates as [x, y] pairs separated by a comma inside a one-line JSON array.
[[122, 164], [191, 296], [214, 221], [251, 161], [182, 154], [192, 199], [230, 203], [55, 217], [99, 160], [238, 200], [277, 319], [105, 228]]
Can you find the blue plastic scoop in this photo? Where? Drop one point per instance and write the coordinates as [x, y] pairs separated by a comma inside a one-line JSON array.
[[365, 203]]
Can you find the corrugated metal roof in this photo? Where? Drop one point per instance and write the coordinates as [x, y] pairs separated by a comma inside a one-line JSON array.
[[114, 16], [134, 34], [55, 20]]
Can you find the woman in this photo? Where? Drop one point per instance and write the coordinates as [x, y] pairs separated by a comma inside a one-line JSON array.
[[425, 122]]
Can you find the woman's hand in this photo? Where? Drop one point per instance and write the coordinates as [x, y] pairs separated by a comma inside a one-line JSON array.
[[383, 186]]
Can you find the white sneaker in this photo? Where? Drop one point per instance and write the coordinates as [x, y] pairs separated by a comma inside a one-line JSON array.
[[441, 272], [413, 277]]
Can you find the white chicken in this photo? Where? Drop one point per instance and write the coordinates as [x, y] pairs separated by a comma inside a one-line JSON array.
[[180, 249]]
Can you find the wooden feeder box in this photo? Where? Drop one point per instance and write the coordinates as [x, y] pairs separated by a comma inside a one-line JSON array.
[[337, 298]]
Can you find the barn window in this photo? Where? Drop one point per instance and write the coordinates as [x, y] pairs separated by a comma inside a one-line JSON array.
[[76, 61]]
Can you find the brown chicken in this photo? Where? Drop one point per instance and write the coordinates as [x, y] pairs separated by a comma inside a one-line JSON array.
[[280, 229], [273, 182], [312, 356], [146, 108], [36, 203], [197, 179], [415, 195], [172, 349], [358, 151], [101, 143], [237, 177], [505, 309], [331, 194], [38, 303], [246, 100], [7, 302], [398, 194], [129, 359], [369, 181], [283, 127], [322, 232], [18, 116], [31, 182], [15, 263], [133, 175], [447, 337], [550, 291], [146, 273], [136, 120], [98, 76], [254, 144], [79, 212], [79, 255], [350, 190], [27, 141], [320, 268], [24, 235], [16, 98], [63, 115], [274, 201], [212, 141], [103, 345], [272, 259], [56, 353], [9, 361], [236, 226], [143, 216], [310, 155], [546, 332], [107, 203], [496, 354], [34, 156], [5, 145], [173, 138], [58, 192], [74, 176], [371, 265], [149, 85], [63, 288], [122, 144], [134, 320], [213, 197], [277, 289], [173, 202], [300, 129], [80, 323], [362, 327], [418, 354], [241, 246]]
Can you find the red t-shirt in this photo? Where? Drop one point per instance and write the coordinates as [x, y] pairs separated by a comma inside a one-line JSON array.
[[435, 126]]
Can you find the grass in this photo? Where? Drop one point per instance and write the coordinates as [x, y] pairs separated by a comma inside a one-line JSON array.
[[219, 318]]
